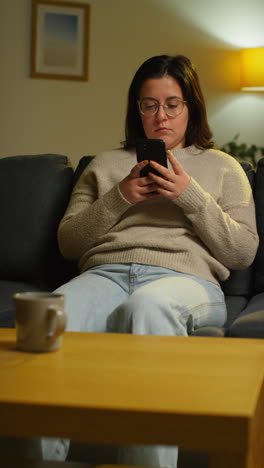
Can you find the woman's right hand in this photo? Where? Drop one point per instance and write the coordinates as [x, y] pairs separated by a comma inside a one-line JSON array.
[[135, 188]]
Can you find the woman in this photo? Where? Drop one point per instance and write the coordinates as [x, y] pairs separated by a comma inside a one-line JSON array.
[[152, 250]]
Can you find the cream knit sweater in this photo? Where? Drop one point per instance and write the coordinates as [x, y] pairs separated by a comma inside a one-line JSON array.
[[209, 229]]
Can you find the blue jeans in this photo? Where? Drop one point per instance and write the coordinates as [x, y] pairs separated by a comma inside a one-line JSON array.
[[141, 299], [138, 299]]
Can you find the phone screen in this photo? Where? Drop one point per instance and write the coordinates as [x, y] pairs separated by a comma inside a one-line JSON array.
[[151, 149]]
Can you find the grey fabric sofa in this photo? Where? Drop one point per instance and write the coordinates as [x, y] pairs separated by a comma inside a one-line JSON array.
[[34, 193]]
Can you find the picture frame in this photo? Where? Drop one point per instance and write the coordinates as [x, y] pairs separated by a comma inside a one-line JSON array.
[[59, 40]]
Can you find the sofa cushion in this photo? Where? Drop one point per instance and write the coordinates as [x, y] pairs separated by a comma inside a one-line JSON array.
[[234, 306], [250, 324], [239, 283], [209, 331], [34, 193], [84, 161]]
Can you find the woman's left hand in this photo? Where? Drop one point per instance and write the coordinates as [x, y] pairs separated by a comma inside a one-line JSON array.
[[170, 184]]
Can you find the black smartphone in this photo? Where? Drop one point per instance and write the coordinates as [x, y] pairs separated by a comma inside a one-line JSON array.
[[151, 149]]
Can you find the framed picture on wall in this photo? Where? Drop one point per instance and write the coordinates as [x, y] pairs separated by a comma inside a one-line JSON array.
[[59, 40]]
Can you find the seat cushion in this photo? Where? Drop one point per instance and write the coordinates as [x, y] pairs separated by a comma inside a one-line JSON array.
[[34, 193], [209, 331], [235, 305], [250, 323]]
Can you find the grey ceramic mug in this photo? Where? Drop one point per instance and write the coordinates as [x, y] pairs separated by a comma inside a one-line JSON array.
[[40, 321]]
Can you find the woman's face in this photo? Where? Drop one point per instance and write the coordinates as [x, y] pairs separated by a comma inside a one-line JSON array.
[[160, 125]]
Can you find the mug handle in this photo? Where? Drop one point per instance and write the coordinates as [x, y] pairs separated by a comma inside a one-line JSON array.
[[56, 322]]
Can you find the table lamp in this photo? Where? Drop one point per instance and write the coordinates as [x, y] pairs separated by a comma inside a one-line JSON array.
[[252, 69]]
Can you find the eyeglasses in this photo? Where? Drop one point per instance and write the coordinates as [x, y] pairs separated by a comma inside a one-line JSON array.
[[150, 107]]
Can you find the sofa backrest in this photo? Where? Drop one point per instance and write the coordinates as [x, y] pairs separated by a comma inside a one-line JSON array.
[[84, 161], [259, 201], [34, 193]]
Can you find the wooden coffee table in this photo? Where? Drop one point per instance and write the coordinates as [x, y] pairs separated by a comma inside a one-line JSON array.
[[204, 394]]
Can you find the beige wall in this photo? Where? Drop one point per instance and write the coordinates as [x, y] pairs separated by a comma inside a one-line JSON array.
[[66, 117]]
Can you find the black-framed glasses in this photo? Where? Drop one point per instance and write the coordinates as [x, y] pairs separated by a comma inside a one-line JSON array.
[[150, 106]]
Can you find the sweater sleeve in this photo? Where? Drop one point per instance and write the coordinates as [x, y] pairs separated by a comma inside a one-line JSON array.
[[89, 217], [227, 226]]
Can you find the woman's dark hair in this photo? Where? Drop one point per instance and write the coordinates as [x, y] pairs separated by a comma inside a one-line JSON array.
[[180, 68]]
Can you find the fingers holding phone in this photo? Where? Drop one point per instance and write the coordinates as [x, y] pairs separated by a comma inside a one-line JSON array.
[[135, 188], [170, 183], [138, 185]]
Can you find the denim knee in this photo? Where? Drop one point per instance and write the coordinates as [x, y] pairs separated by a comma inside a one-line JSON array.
[[147, 314]]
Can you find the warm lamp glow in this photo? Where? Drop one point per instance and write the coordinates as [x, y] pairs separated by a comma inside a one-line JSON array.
[[252, 69]]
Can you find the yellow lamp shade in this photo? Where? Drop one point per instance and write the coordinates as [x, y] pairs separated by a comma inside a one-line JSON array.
[[252, 69]]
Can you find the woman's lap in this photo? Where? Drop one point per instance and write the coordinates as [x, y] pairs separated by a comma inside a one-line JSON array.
[[111, 297], [170, 306]]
